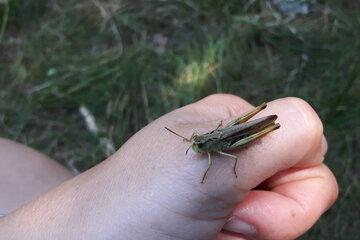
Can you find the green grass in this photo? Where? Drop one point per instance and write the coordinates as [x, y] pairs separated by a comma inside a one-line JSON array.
[[56, 56]]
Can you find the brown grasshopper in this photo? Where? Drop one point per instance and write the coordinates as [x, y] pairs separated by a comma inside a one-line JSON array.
[[235, 134]]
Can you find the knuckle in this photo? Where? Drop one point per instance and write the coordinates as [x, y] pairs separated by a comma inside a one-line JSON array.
[[221, 97], [312, 124], [230, 105]]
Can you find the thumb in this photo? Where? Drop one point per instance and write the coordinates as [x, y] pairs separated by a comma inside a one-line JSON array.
[[295, 199]]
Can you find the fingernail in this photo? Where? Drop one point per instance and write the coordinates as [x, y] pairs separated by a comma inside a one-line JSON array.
[[237, 225], [324, 146]]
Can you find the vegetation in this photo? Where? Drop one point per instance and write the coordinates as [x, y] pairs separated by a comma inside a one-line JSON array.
[[128, 62]]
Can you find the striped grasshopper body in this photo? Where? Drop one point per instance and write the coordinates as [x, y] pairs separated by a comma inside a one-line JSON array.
[[235, 134]]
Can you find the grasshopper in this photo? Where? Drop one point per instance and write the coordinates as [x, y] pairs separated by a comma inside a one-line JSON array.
[[235, 134]]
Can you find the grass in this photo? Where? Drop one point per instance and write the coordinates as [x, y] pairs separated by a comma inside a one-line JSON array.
[[129, 62]]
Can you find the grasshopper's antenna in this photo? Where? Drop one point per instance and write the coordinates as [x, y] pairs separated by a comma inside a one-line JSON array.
[[186, 139]]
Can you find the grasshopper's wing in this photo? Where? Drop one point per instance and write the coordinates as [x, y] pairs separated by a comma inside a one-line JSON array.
[[246, 116], [241, 130], [244, 141]]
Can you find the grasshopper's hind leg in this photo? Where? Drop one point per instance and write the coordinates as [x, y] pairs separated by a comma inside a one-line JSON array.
[[210, 162], [247, 115], [232, 156], [253, 137]]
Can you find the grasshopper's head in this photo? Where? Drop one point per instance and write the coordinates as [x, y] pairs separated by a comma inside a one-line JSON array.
[[197, 144], [195, 140]]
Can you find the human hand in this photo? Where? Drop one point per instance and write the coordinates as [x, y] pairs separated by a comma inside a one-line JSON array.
[[288, 163], [149, 189]]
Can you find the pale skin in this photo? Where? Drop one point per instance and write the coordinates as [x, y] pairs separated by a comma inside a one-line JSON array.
[[149, 189]]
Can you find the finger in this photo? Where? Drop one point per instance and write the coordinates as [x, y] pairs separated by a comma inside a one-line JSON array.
[[297, 199], [298, 142], [298, 139]]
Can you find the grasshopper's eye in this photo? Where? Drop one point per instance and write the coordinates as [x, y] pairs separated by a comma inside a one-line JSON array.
[[200, 145]]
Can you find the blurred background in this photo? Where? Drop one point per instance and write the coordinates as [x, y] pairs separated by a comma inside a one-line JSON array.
[[79, 77]]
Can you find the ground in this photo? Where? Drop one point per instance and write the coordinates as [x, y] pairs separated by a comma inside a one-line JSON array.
[[78, 78]]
